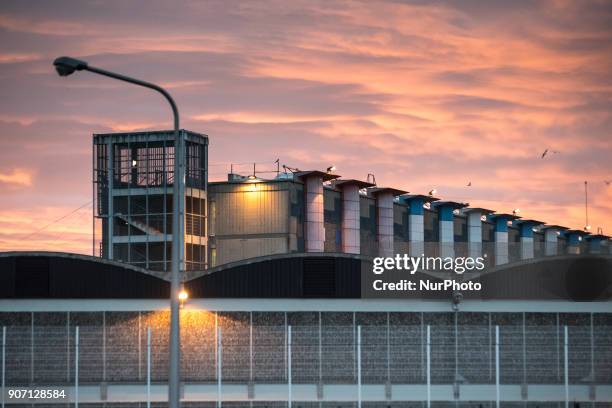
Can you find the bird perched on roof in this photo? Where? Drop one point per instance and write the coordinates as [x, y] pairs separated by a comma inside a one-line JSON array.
[[547, 151]]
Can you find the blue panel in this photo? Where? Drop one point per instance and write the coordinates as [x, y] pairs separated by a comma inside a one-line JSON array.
[[501, 224], [572, 239], [526, 230], [445, 212], [595, 244], [416, 206]]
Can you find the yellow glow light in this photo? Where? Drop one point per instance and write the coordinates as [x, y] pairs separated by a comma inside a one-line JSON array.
[[183, 295]]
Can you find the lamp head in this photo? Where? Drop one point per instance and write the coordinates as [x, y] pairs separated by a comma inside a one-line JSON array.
[[66, 65]]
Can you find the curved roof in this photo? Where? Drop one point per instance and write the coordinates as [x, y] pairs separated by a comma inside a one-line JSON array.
[[54, 275], [63, 275], [80, 257]]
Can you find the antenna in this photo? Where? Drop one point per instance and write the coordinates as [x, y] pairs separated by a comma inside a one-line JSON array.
[[291, 169], [277, 161], [586, 206]]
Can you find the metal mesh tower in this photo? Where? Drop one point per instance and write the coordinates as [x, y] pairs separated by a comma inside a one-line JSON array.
[[133, 178]]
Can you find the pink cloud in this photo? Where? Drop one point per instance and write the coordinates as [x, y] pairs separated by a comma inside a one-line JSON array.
[[423, 95], [17, 177]]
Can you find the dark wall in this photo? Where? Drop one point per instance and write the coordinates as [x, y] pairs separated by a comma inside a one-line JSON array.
[[296, 277], [59, 277]]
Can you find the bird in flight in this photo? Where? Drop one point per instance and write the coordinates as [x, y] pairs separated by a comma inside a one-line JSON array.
[[607, 182], [469, 184], [547, 151]]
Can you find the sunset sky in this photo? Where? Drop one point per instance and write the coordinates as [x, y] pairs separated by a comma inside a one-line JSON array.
[[422, 94]]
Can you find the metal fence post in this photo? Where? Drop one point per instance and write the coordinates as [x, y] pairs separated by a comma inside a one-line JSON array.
[[148, 367], [219, 366], [289, 383], [320, 352], [566, 365], [251, 347], [497, 403], [359, 366], [76, 367], [3, 362], [32, 348], [428, 367]]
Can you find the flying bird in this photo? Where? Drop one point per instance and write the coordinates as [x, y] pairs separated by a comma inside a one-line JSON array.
[[469, 184], [548, 151], [607, 182]]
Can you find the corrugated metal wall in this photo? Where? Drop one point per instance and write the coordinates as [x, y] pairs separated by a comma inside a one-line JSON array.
[[250, 220]]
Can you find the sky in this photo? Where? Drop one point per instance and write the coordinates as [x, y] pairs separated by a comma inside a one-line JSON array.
[[421, 94]]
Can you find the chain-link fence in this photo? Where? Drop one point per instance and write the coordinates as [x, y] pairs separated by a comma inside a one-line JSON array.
[[497, 352]]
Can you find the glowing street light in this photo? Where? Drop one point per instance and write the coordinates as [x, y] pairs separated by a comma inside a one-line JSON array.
[[183, 295], [66, 66]]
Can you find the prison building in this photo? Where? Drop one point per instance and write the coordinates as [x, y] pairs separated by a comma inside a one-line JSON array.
[[133, 194], [277, 313], [294, 212], [313, 211]]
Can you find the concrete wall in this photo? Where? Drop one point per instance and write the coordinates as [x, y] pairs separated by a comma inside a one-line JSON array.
[[314, 223], [351, 240]]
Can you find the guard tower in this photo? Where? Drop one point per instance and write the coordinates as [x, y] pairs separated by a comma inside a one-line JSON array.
[[133, 182]]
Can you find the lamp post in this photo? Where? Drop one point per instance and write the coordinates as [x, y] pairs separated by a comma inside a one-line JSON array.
[[66, 66]]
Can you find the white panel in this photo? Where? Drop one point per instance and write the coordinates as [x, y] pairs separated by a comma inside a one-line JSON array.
[[474, 231], [526, 247], [447, 239], [474, 224], [314, 225], [416, 234], [501, 248], [350, 220], [551, 242], [384, 201]]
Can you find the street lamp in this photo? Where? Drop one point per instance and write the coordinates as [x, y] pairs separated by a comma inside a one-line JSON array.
[[66, 66]]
